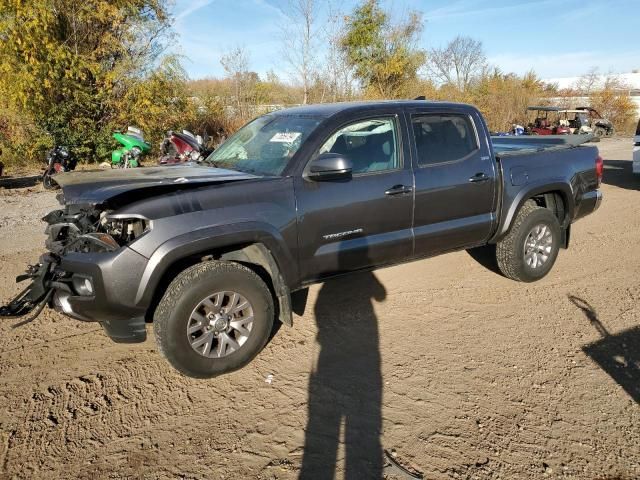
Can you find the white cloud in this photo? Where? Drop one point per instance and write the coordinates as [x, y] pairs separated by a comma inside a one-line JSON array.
[[465, 8], [189, 7], [566, 64]]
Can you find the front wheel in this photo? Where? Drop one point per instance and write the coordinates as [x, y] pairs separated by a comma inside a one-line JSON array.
[[215, 317], [599, 132], [527, 253]]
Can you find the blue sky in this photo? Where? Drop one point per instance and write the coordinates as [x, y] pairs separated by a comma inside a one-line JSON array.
[[556, 38]]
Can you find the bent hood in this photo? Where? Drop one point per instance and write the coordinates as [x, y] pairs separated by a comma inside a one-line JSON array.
[[96, 186]]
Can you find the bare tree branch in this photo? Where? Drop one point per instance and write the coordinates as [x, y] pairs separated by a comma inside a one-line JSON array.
[[459, 63], [299, 41]]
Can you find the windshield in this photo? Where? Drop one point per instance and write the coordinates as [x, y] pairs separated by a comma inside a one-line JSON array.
[[265, 145]]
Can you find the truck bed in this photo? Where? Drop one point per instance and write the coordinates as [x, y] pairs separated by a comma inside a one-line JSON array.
[[538, 164], [516, 145]]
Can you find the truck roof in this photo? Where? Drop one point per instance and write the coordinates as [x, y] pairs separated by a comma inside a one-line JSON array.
[[330, 109]]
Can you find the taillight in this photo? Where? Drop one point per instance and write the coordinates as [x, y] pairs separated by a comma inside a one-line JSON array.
[[599, 169]]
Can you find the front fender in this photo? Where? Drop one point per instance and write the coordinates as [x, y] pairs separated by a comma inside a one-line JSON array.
[[206, 240]]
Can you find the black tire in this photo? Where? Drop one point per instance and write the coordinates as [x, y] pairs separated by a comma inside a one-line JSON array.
[[48, 182], [185, 293], [599, 132], [510, 250]]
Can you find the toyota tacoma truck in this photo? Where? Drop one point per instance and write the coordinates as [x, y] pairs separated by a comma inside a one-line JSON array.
[[211, 253]]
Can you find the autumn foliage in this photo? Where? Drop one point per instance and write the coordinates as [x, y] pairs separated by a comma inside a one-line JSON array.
[[73, 72]]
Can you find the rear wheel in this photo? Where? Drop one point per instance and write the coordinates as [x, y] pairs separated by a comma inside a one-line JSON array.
[[214, 318], [527, 253], [47, 180]]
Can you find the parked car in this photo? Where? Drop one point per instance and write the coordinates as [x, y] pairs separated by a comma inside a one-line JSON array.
[[211, 253], [601, 126], [547, 122], [636, 151]]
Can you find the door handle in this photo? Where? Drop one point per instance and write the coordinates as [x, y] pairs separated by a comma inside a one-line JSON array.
[[479, 177], [398, 190]]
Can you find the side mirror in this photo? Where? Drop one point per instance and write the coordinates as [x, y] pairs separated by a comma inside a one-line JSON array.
[[330, 166]]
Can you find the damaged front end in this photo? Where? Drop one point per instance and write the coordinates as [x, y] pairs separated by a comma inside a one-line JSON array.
[[73, 229]]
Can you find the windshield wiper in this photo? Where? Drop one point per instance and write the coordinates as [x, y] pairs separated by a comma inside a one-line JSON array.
[[218, 165]]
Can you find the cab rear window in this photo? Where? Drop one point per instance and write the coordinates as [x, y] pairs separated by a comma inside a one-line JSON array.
[[442, 138]]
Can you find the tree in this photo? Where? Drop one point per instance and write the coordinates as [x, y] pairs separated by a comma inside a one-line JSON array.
[[459, 63], [337, 76], [66, 66], [236, 65], [504, 98], [298, 48], [588, 82], [613, 102], [384, 56]]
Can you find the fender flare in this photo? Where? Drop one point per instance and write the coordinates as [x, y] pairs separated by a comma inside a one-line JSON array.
[[205, 241], [258, 254], [531, 191]]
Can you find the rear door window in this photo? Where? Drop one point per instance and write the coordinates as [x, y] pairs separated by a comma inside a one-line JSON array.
[[442, 138]]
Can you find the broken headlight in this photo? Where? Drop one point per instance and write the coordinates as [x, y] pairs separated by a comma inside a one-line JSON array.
[[98, 232], [124, 230]]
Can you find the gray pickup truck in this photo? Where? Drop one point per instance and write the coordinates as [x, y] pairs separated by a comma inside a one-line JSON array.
[[212, 252]]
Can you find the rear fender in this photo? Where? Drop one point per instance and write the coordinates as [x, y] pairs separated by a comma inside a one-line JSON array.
[[532, 190]]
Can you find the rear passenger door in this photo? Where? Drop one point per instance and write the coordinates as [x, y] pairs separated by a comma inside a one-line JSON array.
[[455, 180]]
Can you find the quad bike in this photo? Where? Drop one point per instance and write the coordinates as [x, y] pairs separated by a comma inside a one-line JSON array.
[[182, 147], [59, 159], [602, 127], [133, 147]]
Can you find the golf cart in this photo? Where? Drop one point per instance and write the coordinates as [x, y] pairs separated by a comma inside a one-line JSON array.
[[601, 126], [576, 120], [547, 122]]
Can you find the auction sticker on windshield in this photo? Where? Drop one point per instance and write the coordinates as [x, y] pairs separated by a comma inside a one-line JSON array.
[[285, 137]]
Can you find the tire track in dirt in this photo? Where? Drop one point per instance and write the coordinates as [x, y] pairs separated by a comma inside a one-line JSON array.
[[483, 377], [91, 410]]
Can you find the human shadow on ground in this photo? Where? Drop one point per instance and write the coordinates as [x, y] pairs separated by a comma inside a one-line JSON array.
[[345, 389], [619, 174], [617, 354]]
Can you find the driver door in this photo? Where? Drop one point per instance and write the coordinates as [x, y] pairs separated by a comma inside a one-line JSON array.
[[365, 220]]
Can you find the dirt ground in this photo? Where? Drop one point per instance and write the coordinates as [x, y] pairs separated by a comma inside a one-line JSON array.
[[453, 369]]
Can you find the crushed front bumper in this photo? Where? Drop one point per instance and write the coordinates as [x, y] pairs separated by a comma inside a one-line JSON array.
[[91, 287], [32, 299]]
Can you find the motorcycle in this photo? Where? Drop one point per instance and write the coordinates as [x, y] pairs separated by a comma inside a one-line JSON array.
[[182, 147], [133, 147], [59, 159]]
